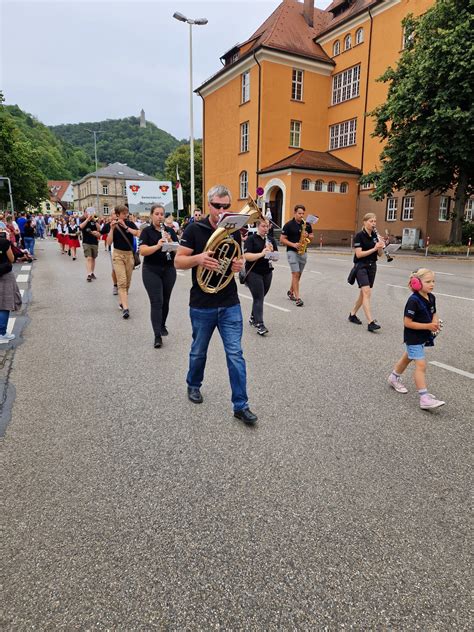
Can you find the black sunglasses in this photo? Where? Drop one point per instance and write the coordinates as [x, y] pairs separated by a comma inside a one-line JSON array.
[[218, 205]]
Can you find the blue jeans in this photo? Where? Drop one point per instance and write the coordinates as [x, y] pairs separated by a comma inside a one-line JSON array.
[[228, 321], [30, 245], [4, 316]]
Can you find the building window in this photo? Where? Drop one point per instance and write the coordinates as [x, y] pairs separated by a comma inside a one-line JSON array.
[[297, 85], [105, 189], [336, 48], [295, 134], [345, 85], [443, 209], [234, 58], [244, 184], [347, 42], [318, 185], [105, 209], [245, 95], [359, 36], [342, 134], [469, 211], [344, 187], [124, 190], [331, 187], [244, 136], [408, 208], [392, 204], [366, 185], [305, 184]]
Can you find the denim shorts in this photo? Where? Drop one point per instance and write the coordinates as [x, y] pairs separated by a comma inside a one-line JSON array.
[[416, 352]]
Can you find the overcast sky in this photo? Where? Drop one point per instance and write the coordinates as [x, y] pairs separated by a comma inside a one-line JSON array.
[[76, 61]]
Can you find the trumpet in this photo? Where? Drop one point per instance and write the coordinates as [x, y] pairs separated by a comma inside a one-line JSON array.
[[387, 254]]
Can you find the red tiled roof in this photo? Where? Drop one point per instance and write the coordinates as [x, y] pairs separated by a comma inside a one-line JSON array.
[[352, 9], [57, 189], [312, 161]]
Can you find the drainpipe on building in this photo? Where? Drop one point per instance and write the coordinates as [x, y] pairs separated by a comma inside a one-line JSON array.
[[203, 204], [258, 116]]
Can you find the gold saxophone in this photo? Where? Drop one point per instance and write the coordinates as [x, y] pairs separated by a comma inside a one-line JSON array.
[[304, 241], [225, 250]]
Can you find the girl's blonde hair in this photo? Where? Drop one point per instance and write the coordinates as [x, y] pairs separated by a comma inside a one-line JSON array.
[[419, 274], [368, 216]]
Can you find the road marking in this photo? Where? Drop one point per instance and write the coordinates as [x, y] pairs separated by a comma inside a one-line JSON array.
[[338, 260], [463, 298], [279, 265], [25, 268], [11, 324], [180, 273], [22, 278], [314, 272], [453, 369], [445, 273], [22, 293], [282, 309]]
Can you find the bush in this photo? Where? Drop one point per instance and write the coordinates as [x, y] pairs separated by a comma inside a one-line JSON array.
[[467, 231]]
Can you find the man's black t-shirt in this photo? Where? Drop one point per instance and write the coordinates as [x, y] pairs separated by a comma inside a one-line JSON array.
[[195, 237], [292, 231], [366, 242], [254, 244], [150, 236], [419, 310], [87, 237], [122, 239]]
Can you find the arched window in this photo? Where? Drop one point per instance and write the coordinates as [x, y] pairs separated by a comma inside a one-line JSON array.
[[359, 36], [244, 184], [347, 42], [331, 186], [336, 48], [318, 185], [343, 188], [305, 184]]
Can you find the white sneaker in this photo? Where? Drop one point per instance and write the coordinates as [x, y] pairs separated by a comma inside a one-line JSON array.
[[397, 384], [428, 401], [7, 337]]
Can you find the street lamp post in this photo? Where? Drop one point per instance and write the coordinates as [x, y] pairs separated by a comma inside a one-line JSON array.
[[10, 192], [95, 132], [197, 22]]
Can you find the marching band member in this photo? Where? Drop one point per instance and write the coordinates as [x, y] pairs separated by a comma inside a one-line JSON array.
[[73, 237], [158, 272], [421, 324], [208, 311], [259, 271], [292, 233], [367, 249]]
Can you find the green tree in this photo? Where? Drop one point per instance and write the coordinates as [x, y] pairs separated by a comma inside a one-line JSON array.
[[427, 120], [180, 158]]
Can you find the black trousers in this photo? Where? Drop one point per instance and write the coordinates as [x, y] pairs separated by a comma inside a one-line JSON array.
[[159, 282], [258, 284]]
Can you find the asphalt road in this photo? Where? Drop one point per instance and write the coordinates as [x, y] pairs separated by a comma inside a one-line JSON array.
[[129, 508]]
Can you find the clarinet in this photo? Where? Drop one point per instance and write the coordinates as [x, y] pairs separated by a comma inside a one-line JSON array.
[[389, 258]]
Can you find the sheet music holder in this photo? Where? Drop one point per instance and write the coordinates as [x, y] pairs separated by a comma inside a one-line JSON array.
[[170, 246], [391, 248], [233, 221]]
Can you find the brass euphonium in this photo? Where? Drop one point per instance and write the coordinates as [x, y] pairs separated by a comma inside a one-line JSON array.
[[225, 250]]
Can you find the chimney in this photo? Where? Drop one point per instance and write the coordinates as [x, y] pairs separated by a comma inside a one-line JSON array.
[[308, 12]]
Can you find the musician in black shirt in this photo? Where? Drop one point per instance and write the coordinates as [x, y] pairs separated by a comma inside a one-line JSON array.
[[158, 271], [367, 249], [291, 234], [259, 271]]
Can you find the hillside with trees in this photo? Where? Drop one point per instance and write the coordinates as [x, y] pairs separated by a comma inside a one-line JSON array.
[[122, 140]]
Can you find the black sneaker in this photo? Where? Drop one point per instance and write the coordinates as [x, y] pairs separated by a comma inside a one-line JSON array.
[[125, 314], [261, 329], [291, 296], [299, 302], [353, 319], [89, 278], [373, 326], [93, 276], [252, 321], [158, 342], [164, 331]]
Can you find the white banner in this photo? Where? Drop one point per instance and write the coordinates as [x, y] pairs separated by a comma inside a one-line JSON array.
[[142, 194]]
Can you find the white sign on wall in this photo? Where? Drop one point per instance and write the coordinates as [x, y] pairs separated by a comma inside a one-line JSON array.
[[142, 194]]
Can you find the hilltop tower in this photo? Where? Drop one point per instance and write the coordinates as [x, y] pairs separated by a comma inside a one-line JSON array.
[[142, 118]]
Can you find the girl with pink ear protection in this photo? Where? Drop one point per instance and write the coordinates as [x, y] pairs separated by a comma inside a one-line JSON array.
[[421, 324]]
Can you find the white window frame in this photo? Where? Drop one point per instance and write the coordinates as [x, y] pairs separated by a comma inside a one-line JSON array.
[[331, 186], [295, 134], [297, 79], [469, 210], [336, 48], [408, 208], [359, 37], [344, 187], [342, 134], [392, 208], [348, 42], [245, 87], [244, 137], [105, 209], [319, 185], [366, 186], [346, 85], [444, 208], [105, 189], [306, 181], [243, 185]]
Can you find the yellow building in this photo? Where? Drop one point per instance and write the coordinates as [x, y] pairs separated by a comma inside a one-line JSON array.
[[287, 113]]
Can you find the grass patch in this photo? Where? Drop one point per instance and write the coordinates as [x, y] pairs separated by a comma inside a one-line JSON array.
[[448, 250]]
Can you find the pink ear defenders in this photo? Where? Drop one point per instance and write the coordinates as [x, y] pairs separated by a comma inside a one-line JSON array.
[[416, 284]]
